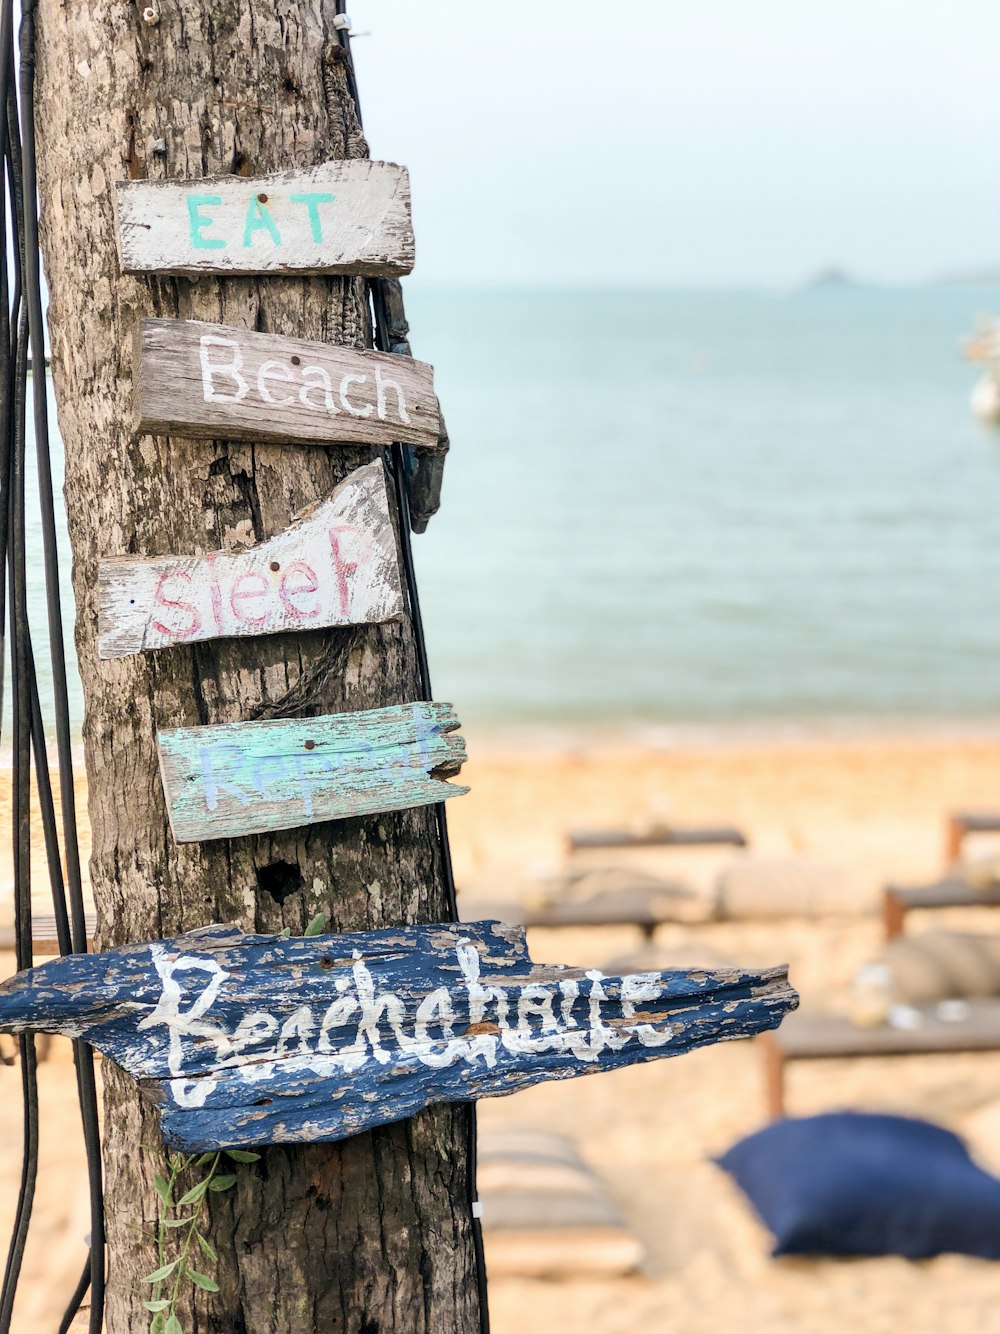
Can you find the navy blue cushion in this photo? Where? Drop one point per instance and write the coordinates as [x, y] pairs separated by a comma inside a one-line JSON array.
[[852, 1184]]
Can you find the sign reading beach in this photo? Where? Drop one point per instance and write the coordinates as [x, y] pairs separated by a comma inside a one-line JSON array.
[[350, 217], [335, 565], [231, 779], [247, 1040], [208, 381]]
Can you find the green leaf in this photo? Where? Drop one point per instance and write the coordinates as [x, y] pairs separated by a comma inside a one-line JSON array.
[[173, 1325], [205, 1158], [206, 1249], [176, 1222], [161, 1305], [158, 1275], [195, 1194], [317, 926], [162, 1189], [283, 935], [202, 1281], [242, 1156], [222, 1183], [159, 1325]]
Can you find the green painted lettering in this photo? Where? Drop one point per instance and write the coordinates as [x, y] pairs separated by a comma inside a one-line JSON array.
[[259, 220], [199, 221], [312, 200]]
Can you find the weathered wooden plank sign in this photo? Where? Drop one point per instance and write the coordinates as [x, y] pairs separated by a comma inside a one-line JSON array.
[[232, 779], [245, 1040], [350, 217], [209, 381], [336, 564]]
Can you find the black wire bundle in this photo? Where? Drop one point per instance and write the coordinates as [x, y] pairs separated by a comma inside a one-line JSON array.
[[22, 330]]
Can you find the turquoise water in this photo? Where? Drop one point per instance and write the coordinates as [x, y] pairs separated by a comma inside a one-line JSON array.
[[711, 507]]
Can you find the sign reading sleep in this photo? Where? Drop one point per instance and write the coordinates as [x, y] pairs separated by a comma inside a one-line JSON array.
[[335, 565], [350, 217]]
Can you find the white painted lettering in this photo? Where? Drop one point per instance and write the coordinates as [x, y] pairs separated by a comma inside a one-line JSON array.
[[274, 370], [315, 377], [381, 387], [213, 370], [346, 403]]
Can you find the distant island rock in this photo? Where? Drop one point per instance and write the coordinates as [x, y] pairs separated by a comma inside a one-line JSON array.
[[831, 277]]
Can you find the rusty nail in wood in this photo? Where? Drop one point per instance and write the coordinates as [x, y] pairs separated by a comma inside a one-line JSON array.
[[151, 15], [310, 745], [275, 566], [262, 198], [296, 361]]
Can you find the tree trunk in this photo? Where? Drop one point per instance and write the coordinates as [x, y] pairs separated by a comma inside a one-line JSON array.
[[373, 1235]]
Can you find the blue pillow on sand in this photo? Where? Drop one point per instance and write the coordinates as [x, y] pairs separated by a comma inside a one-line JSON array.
[[852, 1184]]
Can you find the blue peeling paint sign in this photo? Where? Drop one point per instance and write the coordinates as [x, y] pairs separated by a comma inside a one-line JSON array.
[[250, 1040]]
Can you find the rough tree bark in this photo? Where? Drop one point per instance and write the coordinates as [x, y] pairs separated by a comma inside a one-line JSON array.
[[372, 1236]]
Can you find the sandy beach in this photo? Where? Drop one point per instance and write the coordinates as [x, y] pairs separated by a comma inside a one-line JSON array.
[[873, 806]]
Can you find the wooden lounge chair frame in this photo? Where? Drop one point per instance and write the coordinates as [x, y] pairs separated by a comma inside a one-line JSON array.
[[952, 892], [578, 840], [961, 824], [44, 937], [833, 1037]]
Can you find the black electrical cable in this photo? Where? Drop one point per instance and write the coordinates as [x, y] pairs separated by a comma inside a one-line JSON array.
[[21, 320], [82, 1054], [382, 342]]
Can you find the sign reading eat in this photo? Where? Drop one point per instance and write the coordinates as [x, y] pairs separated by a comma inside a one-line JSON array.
[[335, 565], [209, 381], [349, 217]]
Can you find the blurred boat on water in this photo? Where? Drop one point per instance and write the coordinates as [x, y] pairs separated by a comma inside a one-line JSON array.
[[983, 348]]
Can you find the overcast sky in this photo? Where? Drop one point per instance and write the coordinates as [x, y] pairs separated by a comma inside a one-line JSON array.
[[689, 142]]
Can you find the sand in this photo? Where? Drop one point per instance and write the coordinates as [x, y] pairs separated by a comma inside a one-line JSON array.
[[873, 806]]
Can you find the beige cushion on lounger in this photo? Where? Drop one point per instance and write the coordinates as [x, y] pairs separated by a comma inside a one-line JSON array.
[[656, 958], [942, 965], [753, 886], [584, 884], [545, 1214]]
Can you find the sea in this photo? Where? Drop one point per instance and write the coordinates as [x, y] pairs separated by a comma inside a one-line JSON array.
[[673, 511]]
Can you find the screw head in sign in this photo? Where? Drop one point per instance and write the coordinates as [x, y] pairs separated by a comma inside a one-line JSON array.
[[275, 566], [309, 745]]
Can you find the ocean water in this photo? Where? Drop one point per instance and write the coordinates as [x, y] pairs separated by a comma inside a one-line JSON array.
[[705, 508]]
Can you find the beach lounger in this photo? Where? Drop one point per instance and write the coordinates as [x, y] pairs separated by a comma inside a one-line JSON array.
[[610, 896], [44, 941], [43, 933], [545, 1214], [578, 840], [954, 891], [804, 1037], [963, 823]]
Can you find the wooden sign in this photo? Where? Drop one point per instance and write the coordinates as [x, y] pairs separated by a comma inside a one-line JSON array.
[[250, 1040], [211, 382], [232, 779], [335, 565], [349, 217]]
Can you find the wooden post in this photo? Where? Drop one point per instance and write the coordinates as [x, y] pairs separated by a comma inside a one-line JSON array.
[[373, 1234], [893, 913], [954, 839], [774, 1075]]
